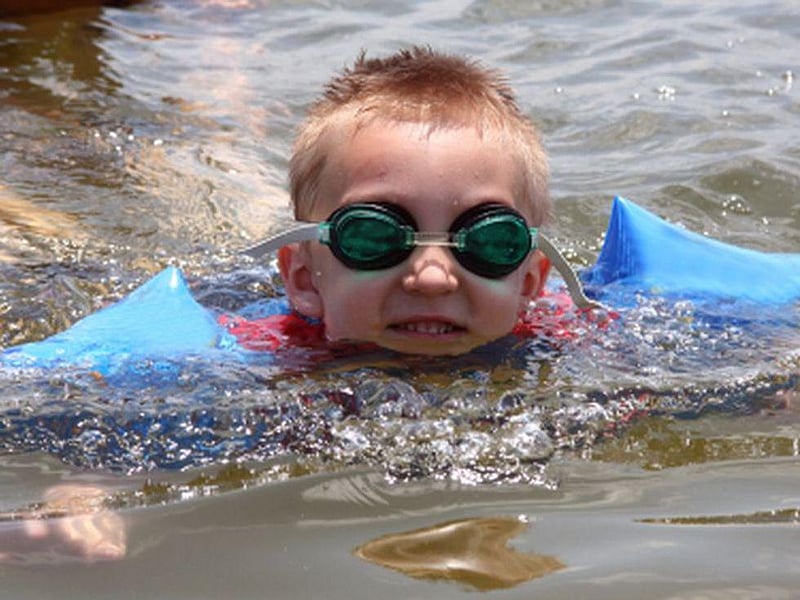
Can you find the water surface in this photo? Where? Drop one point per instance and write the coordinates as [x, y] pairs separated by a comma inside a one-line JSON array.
[[639, 455]]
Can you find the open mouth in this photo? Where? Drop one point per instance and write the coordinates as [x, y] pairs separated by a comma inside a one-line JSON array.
[[429, 328]]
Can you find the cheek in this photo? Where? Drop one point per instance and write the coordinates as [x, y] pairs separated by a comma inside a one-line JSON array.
[[501, 291], [499, 302], [351, 300]]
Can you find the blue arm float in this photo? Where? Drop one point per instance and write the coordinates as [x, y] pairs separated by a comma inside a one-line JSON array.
[[160, 319], [642, 252]]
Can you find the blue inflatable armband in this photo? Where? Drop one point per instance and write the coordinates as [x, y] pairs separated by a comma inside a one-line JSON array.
[[642, 252], [160, 319]]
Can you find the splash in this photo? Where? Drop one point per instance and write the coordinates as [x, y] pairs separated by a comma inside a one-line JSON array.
[[497, 416]]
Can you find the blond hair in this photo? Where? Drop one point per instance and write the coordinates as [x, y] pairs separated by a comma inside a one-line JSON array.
[[418, 85]]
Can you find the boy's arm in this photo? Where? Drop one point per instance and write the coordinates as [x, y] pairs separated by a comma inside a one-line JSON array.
[[71, 523]]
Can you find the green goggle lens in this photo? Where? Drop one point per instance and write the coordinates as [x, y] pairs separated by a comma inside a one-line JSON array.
[[494, 244], [370, 237], [490, 240]]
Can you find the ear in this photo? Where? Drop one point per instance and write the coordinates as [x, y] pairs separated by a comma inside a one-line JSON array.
[[535, 278], [294, 263]]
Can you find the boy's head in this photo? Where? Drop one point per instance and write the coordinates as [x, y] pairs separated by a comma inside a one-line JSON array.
[[437, 139], [433, 90]]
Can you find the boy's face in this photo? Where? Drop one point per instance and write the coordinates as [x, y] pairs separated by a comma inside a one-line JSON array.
[[428, 304]]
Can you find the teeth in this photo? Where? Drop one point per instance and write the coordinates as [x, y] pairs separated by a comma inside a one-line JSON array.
[[427, 327]]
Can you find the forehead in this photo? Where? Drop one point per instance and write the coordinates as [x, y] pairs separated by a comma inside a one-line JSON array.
[[396, 156]]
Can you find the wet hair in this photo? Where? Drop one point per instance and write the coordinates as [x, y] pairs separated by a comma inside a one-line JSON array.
[[418, 85]]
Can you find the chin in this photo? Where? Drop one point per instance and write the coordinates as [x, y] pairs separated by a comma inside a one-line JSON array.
[[436, 349]]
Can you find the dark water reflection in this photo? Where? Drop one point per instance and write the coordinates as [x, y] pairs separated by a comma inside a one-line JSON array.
[[132, 138]]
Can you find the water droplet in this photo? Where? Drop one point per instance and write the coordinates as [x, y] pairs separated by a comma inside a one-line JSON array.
[[788, 78], [736, 204], [666, 92]]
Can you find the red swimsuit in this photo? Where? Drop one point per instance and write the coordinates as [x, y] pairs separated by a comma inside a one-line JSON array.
[[553, 316]]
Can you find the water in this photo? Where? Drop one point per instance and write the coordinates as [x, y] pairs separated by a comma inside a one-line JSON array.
[[659, 451]]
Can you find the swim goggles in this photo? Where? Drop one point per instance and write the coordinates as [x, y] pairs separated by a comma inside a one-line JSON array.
[[491, 240]]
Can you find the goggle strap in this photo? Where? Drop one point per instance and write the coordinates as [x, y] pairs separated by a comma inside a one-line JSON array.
[[306, 232], [312, 231], [561, 265]]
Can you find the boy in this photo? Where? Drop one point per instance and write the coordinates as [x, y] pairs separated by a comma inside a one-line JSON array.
[[396, 152], [416, 141]]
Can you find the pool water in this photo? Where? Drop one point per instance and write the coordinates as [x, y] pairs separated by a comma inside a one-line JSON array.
[[655, 455]]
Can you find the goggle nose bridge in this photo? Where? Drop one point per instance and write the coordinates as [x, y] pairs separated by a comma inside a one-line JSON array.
[[443, 239]]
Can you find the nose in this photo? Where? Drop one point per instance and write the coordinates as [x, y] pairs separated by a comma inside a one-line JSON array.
[[430, 272]]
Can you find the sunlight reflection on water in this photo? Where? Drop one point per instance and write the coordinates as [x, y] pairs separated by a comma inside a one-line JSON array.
[[159, 134]]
